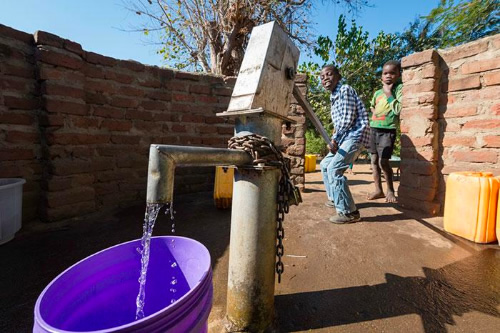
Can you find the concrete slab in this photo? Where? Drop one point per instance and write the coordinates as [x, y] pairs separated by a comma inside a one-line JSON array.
[[395, 271]]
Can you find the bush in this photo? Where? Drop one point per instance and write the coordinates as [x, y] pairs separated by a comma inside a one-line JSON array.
[[315, 143]]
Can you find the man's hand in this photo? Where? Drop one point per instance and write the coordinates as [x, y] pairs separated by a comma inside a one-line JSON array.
[[387, 89], [333, 147]]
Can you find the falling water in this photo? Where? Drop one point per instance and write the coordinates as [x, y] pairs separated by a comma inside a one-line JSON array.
[[150, 216]]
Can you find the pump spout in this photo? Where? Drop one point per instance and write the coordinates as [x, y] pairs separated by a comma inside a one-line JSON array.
[[164, 158]]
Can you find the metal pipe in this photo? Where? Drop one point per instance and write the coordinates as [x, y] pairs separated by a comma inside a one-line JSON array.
[[164, 158], [252, 251]]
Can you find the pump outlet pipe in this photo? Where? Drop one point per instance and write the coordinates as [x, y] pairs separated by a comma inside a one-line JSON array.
[[163, 159]]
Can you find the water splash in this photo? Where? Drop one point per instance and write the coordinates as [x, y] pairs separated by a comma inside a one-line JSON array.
[[150, 216]]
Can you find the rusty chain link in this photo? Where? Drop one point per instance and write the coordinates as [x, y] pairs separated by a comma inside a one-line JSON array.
[[265, 152]]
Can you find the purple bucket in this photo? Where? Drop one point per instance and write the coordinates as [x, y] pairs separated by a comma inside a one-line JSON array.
[[98, 294]]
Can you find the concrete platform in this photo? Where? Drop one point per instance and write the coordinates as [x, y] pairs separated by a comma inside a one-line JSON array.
[[395, 271]]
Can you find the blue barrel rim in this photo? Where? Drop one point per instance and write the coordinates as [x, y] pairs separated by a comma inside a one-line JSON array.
[[172, 307]]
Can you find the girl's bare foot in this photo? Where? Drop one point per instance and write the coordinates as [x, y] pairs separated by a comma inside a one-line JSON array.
[[375, 195], [390, 197]]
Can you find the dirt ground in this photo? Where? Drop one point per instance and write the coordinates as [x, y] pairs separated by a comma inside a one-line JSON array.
[[395, 271]]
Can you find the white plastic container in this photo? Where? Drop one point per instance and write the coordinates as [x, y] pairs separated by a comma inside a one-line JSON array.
[[11, 204]]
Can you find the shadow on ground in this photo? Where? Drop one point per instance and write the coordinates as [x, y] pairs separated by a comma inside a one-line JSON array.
[[450, 291]]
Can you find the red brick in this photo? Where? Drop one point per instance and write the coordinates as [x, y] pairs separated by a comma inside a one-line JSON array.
[[16, 85], [153, 105], [460, 112], [495, 109], [225, 130], [15, 34], [422, 86], [132, 65], [46, 38], [112, 74], [428, 112], [430, 71], [15, 154], [489, 93], [223, 91], [73, 47], [25, 70], [108, 112], [214, 120], [50, 55], [406, 141], [467, 141], [190, 140], [491, 79], [51, 88], [417, 167], [122, 102], [200, 89], [21, 102], [48, 72], [177, 85], [84, 122], [178, 128], [101, 163], [76, 138], [207, 129], [147, 126], [70, 196], [58, 106], [492, 141], [191, 118], [428, 98], [409, 75], [16, 118], [90, 70], [476, 156], [116, 125], [482, 124], [187, 76], [149, 82], [125, 139], [137, 114], [469, 82], [131, 91], [423, 193], [82, 151], [162, 117], [51, 120], [419, 58], [96, 98], [100, 86], [22, 137], [67, 211], [480, 65], [95, 58], [161, 95], [464, 51], [207, 99], [183, 98]]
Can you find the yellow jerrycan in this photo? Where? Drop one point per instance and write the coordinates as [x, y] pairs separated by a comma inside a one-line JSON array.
[[470, 206], [310, 163], [223, 188]]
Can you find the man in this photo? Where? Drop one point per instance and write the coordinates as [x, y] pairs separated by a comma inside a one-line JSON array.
[[350, 121]]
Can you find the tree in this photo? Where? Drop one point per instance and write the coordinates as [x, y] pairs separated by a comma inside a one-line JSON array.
[[463, 21], [360, 63], [211, 35]]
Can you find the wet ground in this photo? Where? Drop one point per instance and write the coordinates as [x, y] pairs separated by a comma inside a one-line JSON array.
[[396, 271]]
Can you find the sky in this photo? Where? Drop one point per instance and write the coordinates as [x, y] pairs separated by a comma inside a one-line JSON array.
[[103, 26]]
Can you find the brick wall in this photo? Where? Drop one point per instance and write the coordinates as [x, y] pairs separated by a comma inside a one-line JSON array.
[[450, 119], [77, 125], [20, 148], [293, 138]]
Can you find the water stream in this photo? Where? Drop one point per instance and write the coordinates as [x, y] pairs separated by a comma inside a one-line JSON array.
[[150, 216]]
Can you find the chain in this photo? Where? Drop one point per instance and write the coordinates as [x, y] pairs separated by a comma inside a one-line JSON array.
[[265, 152]]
